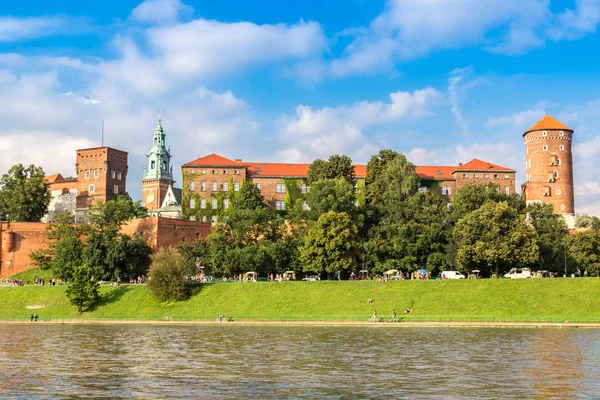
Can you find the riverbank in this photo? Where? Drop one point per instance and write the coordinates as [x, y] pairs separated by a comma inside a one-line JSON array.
[[474, 302]]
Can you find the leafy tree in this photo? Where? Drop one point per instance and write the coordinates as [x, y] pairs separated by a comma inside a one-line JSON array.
[[584, 251], [40, 258], [168, 275], [414, 235], [82, 290], [587, 221], [470, 197], [198, 253], [330, 244], [551, 229], [24, 194], [248, 198], [330, 195], [113, 213], [65, 246], [494, 238], [391, 175], [336, 167]]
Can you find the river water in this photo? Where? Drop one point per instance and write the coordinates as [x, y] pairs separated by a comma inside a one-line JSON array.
[[241, 362]]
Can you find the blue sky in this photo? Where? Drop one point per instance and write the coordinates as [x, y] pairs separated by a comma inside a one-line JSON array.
[[442, 81]]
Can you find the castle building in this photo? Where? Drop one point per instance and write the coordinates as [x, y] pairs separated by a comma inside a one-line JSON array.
[[208, 181], [101, 175], [158, 194], [549, 167]]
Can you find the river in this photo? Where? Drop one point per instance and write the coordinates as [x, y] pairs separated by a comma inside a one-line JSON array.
[[240, 362]]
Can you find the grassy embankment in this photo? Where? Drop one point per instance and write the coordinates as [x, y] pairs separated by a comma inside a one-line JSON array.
[[504, 300]]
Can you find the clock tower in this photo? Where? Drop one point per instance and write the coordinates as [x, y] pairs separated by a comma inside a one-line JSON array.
[[158, 172]]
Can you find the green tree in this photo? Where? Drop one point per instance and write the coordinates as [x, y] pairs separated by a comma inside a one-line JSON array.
[[587, 221], [65, 246], [168, 275], [198, 253], [330, 195], [114, 213], [24, 194], [82, 291], [330, 244], [412, 236], [493, 239], [335, 167], [470, 197], [248, 198], [551, 229], [390, 175], [584, 251]]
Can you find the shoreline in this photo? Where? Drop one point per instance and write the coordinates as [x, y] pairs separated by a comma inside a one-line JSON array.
[[318, 323]]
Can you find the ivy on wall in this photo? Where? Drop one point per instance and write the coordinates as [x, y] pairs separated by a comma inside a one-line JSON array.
[[293, 193], [198, 212]]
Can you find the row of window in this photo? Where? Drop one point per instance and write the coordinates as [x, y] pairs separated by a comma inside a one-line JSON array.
[[545, 148], [486, 176], [545, 133], [213, 204], [114, 174], [204, 219], [92, 189], [215, 186], [216, 172], [548, 191]]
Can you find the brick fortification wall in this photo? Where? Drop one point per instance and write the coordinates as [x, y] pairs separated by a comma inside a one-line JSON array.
[[25, 237]]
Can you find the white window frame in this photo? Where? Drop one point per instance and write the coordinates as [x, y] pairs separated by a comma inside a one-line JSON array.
[[87, 174], [225, 172], [555, 174], [475, 176], [486, 176], [506, 176], [258, 186], [507, 190], [213, 219], [91, 188], [215, 186], [96, 173], [113, 174], [544, 133], [214, 204], [280, 188], [545, 148], [225, 204], [557, 191], [192, 218], [118, 175], [192, 186], [203, 204], [203, 186], [226, 186], [280, 205], [562, 147], [236, 186], [192, 203], [115, 189]]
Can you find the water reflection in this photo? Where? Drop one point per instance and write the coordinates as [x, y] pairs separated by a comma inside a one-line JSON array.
[[46, 361]]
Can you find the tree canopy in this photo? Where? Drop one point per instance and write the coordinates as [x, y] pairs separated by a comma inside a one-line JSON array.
[[584, 252], [335, 167], [551, 229], [248, 198], [494, 238], [390, 177], [24, 195]]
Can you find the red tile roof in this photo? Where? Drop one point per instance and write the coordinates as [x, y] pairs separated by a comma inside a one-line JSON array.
[[213, 160], [290, 169], [548, 122], [54, 178], [435, 172], [478, 165]]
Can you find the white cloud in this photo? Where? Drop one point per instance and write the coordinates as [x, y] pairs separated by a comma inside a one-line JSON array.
[[519, 121], [420, 156], [408, 29], [588, 149], [319, 132], [160, 11], [14, 29]]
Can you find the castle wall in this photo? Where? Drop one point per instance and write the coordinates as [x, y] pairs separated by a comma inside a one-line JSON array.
[[25, 237]]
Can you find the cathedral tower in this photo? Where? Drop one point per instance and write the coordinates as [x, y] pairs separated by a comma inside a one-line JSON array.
[[549, 169], [158, 173]]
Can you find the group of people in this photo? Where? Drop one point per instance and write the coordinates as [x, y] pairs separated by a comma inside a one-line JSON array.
[[33, 317], [13, 282], [137, 281]]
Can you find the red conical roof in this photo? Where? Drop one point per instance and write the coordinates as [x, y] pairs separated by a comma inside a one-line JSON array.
[[546, 123]]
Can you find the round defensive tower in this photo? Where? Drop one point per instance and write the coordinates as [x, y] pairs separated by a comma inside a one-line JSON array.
[[549, 169]]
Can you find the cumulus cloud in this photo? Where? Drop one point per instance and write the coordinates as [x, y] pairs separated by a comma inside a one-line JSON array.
[[408, 29], [160, 11], [314, 132]]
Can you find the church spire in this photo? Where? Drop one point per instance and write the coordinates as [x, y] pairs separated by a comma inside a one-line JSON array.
[[158, 158]]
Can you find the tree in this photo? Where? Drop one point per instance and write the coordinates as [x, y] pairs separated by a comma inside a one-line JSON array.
[[330, 195], [168, 275], [493, 239], [330, 244], [412, 236], [65, 246], [248, 198], [336, 167], [198, 253], [551, 229], [113, 213], [24, 194], [82, 291], [470, 197], [587, 221], [390, 175], [584, 251]]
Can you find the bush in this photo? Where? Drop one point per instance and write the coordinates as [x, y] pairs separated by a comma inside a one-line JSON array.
[[168, 275]]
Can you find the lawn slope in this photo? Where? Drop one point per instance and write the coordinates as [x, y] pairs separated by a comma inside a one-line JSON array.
[[546, 300]]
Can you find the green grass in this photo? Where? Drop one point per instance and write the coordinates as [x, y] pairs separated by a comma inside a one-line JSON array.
[[31, 274], [544, 300]]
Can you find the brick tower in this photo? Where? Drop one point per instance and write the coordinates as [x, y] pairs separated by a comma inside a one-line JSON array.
[[158, 172], [101, 175], [550, 166]]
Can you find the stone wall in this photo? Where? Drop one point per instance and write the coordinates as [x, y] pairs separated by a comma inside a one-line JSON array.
[[25, 237]]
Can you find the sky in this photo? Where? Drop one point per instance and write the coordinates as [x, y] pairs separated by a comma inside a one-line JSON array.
[[441, 81]]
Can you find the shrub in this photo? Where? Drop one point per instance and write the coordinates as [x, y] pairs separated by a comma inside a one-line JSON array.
[[168, 275]]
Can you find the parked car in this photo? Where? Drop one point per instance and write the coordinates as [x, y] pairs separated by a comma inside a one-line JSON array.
[[312, 278], [518, 273], [393, 274], [452, 275]]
